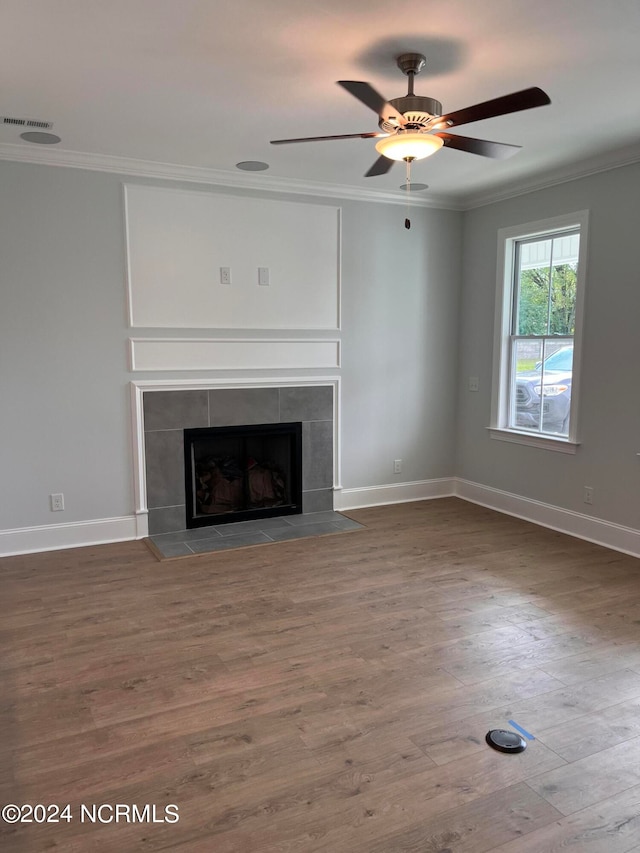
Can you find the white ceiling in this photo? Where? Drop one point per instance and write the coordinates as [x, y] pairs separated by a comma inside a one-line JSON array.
[[207, 83]]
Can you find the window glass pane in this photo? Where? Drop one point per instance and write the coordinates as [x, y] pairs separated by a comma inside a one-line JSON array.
[[532, 298], [563, 285], [555, 385], [541, 386], [527, 359]]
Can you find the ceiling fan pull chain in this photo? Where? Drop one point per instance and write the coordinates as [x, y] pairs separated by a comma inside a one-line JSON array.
[[407, 221]]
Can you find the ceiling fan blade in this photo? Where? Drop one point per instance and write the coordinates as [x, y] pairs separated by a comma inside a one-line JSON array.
[[497, 150], [380, 167], [322, 138], [374, 100], [513, 103]]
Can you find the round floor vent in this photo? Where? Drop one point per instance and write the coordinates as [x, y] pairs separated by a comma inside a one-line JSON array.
[[505, 741]]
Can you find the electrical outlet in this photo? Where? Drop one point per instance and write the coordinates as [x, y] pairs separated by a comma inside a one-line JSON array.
[[263, 277], [397, 466], [225, 275], [474, 383], [57, 502], [588, 494]]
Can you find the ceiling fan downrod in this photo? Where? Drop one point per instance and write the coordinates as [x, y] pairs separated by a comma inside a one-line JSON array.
[[411, 64]]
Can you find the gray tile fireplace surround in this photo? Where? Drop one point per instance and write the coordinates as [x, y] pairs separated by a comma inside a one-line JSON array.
[[168, 413]]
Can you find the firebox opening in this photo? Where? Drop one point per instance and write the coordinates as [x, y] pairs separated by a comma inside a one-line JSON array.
[[240, 473]]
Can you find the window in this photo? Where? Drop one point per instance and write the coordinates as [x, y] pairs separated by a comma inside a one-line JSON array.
[[538, 324]]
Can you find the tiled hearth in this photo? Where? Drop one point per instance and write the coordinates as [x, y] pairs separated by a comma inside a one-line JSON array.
[[168, 413], [223, 537]]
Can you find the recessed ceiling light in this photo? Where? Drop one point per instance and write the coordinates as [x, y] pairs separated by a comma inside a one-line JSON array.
[[252, 166], [40, 138], [414, 187]]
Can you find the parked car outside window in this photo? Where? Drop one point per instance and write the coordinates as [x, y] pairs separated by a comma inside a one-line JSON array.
[[545, 392]]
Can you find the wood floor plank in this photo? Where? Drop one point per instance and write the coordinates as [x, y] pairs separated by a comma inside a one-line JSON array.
[[474, 828], [584, 782], [594, 732], [611, 826], [328, 695]]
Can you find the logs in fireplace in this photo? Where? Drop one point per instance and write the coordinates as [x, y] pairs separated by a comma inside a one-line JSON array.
[[240, 473]]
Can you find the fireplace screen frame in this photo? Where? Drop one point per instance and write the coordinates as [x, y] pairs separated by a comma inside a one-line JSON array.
[[244, 433]]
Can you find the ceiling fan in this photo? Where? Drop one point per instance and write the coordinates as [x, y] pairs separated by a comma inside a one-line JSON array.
[[413, 127]]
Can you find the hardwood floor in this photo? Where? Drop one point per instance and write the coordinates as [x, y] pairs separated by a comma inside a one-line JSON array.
[[330, 694]]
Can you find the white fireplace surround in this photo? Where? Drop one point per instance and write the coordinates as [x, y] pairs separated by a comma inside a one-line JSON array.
[[139, 387]]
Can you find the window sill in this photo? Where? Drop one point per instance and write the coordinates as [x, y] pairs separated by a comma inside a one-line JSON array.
[[560, 445]]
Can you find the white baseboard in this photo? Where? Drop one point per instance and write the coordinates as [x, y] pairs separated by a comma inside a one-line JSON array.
[[596, 530], [75, 534], [54, 537], [393, 493]]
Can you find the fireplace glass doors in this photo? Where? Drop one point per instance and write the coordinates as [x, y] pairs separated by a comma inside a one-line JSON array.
[[240, 473]]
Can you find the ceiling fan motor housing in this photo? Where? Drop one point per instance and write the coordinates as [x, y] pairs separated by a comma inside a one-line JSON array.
[[417, 111]]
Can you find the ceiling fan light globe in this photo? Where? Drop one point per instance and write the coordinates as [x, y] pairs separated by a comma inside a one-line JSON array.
[[409, 146]]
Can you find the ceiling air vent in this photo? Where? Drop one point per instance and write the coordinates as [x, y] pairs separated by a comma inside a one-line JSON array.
[[26, 122]]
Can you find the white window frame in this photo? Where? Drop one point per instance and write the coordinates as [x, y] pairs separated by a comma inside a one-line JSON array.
[[507, 239]]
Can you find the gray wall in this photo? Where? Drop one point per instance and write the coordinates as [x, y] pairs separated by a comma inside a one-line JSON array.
[[65, 421], [65, 410], [609, 416], [400, 319]]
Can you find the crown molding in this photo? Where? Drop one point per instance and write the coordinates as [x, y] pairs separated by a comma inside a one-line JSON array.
[[627, 156], [132, 167], [203, 175]]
